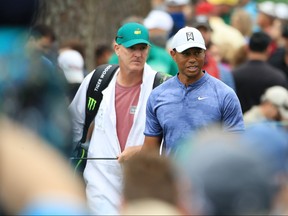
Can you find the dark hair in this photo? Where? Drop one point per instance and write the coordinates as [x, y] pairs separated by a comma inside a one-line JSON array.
[[101, 49], [42, 30], [75, 44], [285, 30], [259, 42]]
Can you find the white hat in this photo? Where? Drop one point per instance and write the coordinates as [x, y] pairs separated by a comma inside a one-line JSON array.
[[176, 2], [281, 10], [72, 63], [158, 19], [278, 96], [186, 38], [267, 7]]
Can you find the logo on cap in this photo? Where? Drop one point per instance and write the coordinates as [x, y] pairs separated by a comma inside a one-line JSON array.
[[189, 36], [138, 31]]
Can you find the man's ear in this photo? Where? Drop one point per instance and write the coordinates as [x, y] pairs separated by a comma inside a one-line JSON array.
[[172, 53], [116, 48]]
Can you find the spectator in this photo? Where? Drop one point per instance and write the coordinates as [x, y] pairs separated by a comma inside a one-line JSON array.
[[76, 45], [226, 38], [159, 23], [102, 54], [227, 176], [35, 178], [32, 90], [72, 64], [273, 107], [253, 77], [223, 9], [176, 9], [241, 20], [250, 6], [42, 39], [150, 186], [280, 56]]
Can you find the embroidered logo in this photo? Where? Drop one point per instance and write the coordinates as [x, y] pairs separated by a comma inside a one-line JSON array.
[[133, 110], [91, 103], [202, 98], [138, 31], [189, 36]]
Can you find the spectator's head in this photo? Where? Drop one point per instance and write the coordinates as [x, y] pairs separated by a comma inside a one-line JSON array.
[[227, 177], [281, 11], [41, 38], [266, 14], [159, 23], [74, 44], [259, 42], [149, 176], [149, 180], [102, 53], [203, 25], [241, 20], [278, 96], [72, 64]]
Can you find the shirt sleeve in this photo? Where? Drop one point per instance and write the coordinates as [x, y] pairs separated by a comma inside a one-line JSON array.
[[232, 113], [152, 126]]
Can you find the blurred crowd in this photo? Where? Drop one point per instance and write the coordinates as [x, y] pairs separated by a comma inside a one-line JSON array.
[[211, 173]]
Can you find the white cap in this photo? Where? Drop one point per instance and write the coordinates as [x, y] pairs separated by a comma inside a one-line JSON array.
[[72, 63], [278, 96], [176, 2], [267, 7], [281, 10], [186, 38], [158, 19]]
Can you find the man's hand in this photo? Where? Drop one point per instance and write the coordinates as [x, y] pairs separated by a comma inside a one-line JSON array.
[[128, 153]]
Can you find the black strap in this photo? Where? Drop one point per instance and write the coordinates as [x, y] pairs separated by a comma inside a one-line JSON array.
[[160, 77], [100, 79]]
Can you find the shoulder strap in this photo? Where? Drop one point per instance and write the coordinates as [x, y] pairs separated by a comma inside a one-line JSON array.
[[160, 77], [100, 79]]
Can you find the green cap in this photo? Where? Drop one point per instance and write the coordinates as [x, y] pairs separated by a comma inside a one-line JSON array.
[[132, 33]]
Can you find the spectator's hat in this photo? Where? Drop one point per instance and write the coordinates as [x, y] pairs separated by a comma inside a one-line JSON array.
[[131, 34], [72, 64], [278, 96], [281, 10], [224, 2], [203, 8], [201, 21], [158, 19], [267, 7], [176, 2], [186, 38]]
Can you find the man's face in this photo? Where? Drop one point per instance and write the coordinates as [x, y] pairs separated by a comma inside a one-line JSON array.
[[44, 44], [133, 57], [190, 62], [40, 45]]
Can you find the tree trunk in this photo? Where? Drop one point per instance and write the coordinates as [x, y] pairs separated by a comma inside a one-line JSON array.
[[91, 21]]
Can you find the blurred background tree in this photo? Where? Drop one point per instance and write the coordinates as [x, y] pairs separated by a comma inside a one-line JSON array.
[[91, 21]]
